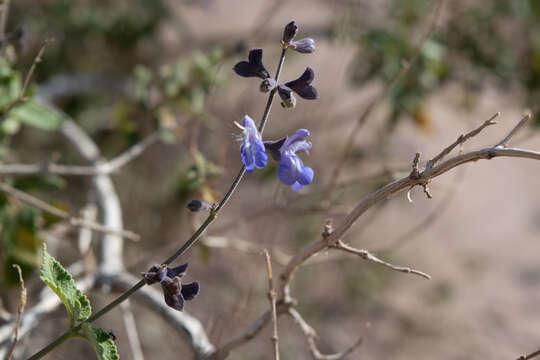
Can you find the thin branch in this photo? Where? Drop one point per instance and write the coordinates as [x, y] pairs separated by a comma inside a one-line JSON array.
[[516, 128], [72, 220], [20, 99], [272, 297], [102, 168], [20, 311], [366, 255], [530, 356], [461, 139], [310, 335]]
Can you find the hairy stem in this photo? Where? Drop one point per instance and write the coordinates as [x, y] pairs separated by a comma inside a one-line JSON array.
[[188, 244]]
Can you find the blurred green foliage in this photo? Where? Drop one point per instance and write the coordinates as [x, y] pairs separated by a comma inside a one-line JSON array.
[[498, 40]]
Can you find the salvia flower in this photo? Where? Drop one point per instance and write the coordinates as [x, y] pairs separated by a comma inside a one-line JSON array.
[[291, 170], [198, 205], [304, 46], [302, 86], [174, 292], [253, 67], [252, 148]]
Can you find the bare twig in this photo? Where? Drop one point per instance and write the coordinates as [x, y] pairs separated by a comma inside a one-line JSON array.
[[272, 297], [530, 356], [461, 139], [310, 335], [516, 128], [102, 168], [349, 144], [366, 255], [72, 220], [20, 99], [20, 311]]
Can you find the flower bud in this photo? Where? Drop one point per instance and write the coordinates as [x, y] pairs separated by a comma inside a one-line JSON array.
[[198, 205], [290, 32], [304, 46]]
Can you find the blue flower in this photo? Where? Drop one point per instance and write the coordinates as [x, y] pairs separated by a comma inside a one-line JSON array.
[[253, 67], [252, 148], [174, 291], [302, 86], [291, 170]]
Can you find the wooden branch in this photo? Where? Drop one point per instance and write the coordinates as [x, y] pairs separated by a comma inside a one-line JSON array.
[[530, 356], [272, 297], [366, 255], [101, 168], [20, 311], [72, 220], [310, 335]]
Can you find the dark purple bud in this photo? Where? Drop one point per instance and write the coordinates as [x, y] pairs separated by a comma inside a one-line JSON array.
[[189, 291], [198, 205], [267, 85], [274, 148], [155, 274], [287, 97], [177, 271], [302, 85], [304, 46], [290, 32], [172, 293], [254, 67]]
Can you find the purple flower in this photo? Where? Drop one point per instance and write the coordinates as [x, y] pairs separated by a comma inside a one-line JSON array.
[[302, 86], [175, 292], [254, 67], [304, 46], [170, 279], [252, 149], [291, 170]]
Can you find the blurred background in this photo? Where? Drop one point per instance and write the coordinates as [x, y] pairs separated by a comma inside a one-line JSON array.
[[123, 69]]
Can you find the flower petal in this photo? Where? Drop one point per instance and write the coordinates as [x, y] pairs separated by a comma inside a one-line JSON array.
[[306, 176], [189, 291], [177, 271], [296, 186], [255, 56], [260, 155], [155, 274], [302, 86], [274, 148], [289, 168], [252, 150], [286, 94]]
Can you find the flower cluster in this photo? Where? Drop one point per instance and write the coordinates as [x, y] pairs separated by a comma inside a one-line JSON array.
[[174, 291], [291, 170]]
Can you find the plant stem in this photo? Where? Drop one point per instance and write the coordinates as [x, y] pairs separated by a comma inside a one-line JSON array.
[[190, 242]]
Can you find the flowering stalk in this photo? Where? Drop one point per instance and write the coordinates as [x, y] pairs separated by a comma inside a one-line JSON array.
[[190, 242]]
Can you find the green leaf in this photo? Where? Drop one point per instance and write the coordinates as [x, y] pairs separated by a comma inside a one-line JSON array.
[[37, 115], [60, 281], [101, 342]]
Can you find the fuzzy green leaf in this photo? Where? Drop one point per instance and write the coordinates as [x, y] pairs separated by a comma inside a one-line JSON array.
[[101, 342], [37, 115], [60, 281]]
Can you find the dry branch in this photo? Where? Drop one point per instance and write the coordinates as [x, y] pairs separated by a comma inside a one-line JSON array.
[[311, 334], [20, 311], [272, 297], [72, 220]]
